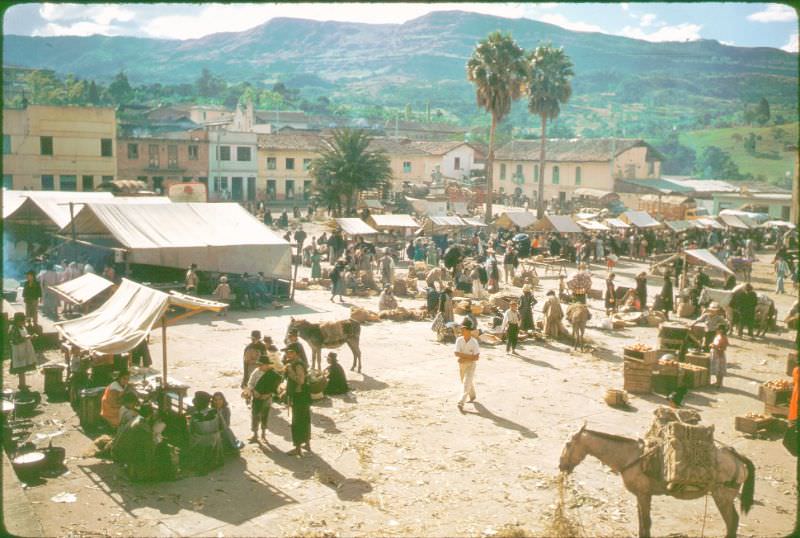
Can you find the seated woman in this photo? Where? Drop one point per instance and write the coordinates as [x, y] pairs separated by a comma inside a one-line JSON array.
[[111, 403], [129, 410], [337, 380], [139, 447], [630, 302], [232, 444], [205, 435], [387, 301]]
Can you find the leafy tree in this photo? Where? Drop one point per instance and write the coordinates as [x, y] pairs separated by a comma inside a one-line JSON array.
[[678, 159], [209, 85], [346, 167], [561, 129], [714, 163], [749, 143], [498, 70], [120, 89], [549, 87], [762, 111], [93, 95]]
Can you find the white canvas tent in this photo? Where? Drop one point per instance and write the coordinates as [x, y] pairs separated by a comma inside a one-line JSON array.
[[699, 256], [354, 226], [222, 238], [640, 219], [438, 225], [592, 225], [616, 223], [394, 220], [522, 219], [83, 289]]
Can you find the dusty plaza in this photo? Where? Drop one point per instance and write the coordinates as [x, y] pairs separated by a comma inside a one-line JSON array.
[[394, 457]]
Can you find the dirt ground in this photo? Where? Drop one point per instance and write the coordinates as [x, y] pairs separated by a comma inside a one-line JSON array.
[[396, 458]]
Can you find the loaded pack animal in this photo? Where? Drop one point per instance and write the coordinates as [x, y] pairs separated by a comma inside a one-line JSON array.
[[723, 297], [627, 457], [329, 335], [578, 315], [766, 313]]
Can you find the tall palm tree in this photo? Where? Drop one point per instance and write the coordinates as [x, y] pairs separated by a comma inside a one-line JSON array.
[[549, 87], [346, 167], [497, 68]]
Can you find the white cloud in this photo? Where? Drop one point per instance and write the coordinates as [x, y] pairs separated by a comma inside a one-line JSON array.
[[625, 6], [102, 14], [792, 44], [774, 13], [728, 43], [680, 32], [562, 21], [83, 28], [646, 20]]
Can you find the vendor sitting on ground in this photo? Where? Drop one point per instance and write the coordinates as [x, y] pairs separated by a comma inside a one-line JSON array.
[[141, 449], [387, 301], [205, 435], [129, 410], [111, 403], [337, 380], [630, 302]]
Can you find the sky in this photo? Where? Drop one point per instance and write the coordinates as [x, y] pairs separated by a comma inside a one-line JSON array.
[[739, 24]]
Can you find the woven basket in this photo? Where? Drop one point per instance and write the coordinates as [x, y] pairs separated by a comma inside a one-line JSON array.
[[615, 397]]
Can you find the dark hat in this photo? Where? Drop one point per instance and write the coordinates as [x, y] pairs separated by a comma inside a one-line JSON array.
[[332, 355], [467, 324], [551, 292], [292, 332], [263, 359], [201, 398], [255, 334], [294, 346]]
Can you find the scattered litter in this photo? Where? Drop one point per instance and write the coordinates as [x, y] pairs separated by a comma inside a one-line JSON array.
[[393, 523], [64, 497]]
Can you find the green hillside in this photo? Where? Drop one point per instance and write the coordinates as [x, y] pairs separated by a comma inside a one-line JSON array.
[[769, 161]]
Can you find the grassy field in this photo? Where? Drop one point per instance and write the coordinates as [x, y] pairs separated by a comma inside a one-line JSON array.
[[769, 160]]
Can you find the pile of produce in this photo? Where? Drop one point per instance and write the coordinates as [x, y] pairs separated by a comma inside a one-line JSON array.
[[778, 385]]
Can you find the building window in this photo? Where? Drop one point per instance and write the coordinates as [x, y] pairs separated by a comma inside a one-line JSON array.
[[187, 179], [46, 145], [220, 184], [143, 179], [158, 184], [306, 164], [520, 177], [536, 173], [502, 171], [289, 163], [47, 183], [224, 153], [152, 156], [578, 175], [194, 152], [108, 179], [651, 168], [271, 189], [556, 175], [406, 167], [172, 156], [457, 163], [307, 187], [87, 183], [68, 183], [272, 163], [106, 147], [243, 153], [8, 181], [6, 144], [290, 189], [133, 151], [203, 180]]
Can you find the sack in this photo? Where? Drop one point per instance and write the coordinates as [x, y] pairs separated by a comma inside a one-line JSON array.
[[790, 440], [689, 455]]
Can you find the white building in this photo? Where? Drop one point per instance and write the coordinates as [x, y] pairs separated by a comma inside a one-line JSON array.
[[232, 167]]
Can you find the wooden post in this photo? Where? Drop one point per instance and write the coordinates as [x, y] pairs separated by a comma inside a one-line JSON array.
[[164, 351], [684, 274]]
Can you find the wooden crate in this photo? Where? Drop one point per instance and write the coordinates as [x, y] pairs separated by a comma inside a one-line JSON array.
[[774, 397], [638, 386], [752, 425], [637, 364], [694, 376], [649, 357], [780, 410], [699, 359], [595, 294], [670, 344], [791, 362], [664, 383]]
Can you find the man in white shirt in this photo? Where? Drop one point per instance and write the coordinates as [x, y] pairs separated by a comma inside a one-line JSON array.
[[511, 321], [467, 351]]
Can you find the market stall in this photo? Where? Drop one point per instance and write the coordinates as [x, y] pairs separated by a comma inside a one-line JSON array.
[[396, 221], [511, 219], [617, 223], [592, 226], [679, 226], [353, 226], [557, 223], [707, 222], [82, 291], [733, 221], [639, 219]]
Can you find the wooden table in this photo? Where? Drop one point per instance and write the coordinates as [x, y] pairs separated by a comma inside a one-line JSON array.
[[556, 265]]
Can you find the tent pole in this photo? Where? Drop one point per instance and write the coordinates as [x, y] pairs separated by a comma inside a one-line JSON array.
[[684, 274], [164, 352]]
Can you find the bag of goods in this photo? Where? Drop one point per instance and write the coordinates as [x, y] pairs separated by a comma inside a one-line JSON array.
[[411, 286], [421, 267], [580, 282], [689, 456], [301, 285], [460, 308], [489, 339]]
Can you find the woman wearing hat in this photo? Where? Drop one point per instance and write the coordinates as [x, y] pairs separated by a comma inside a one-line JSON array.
[[641, 289], [337, 380], [223, 293], [206, 451], [713, 316], [387, 301], [299, 395], [23, 356], [252, 352], [526, 302], [611, 295], [262, 384]]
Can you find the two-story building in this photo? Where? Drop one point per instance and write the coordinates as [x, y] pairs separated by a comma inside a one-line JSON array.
[[409, 163], [232, 165], [161, 161], [59, 147], [284, 162], [456, 160], [571, 164]]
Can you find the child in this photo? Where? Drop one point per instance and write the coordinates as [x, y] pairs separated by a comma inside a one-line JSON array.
[[511, 321], [23, 356], [719, 362], [223, 293]]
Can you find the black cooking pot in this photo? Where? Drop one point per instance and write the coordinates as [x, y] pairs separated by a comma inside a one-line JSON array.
[[25, 403], [55, 456], [29, 465]]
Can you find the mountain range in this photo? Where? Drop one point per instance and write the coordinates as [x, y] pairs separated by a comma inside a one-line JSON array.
[[423, 60]]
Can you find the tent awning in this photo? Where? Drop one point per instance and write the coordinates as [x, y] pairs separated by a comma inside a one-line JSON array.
[[616, 223], [778, 224], [704, 256], [639, 219], [560, 223], [733, 221], [355, 226], [122, 322], [522, 219], [709, 223], [221, 237], [678, 225], [592, 225], [397, 220], [592, 193], [472, 221], [83, 289]]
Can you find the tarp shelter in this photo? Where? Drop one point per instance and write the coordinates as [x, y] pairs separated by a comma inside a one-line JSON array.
[[473, 222], [442, 225], [778, 224], [699, 256], [222, 237], [122, 322], [354, 226], [678, 225], [639, 219], [709, 223], [733, 221], [616, 223], [372, 204], [593, 225], [49, 209], [428, 207], [558, 223], [399, 220], [509, 219], [83, 289]]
